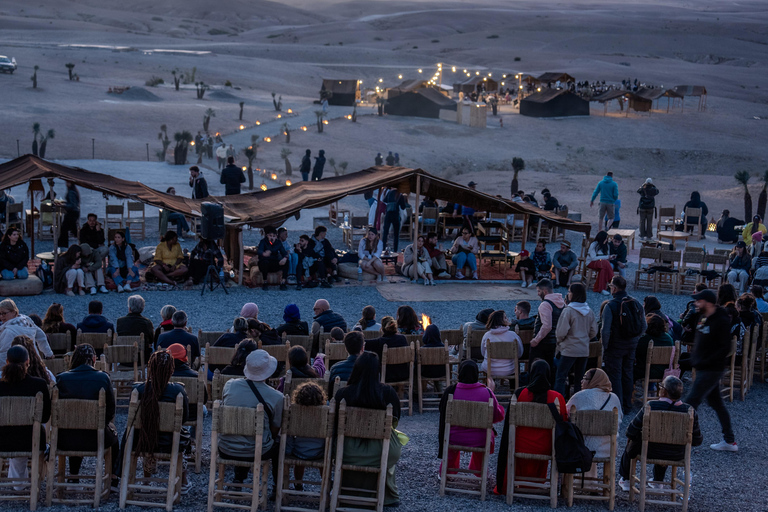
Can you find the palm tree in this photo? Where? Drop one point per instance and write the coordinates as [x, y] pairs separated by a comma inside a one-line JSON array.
[[320, 115], [201, 88], [163, 137], [287, 131], [242, 104], [36, 131], [177, 76], [518, 164], [182, 146], [343, 167], [209, 113], [284, 153], [70, 66], [44, 141], [743, 178], [34, 78], [763, 198], [277, 103]]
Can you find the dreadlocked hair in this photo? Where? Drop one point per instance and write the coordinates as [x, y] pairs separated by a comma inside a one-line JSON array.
[[84, 354], [159, 372], [36, 366]]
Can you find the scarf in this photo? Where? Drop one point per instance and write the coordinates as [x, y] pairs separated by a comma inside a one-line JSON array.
[[600, 381]]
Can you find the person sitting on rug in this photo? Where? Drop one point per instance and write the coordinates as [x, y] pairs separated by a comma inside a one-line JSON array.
[[293, 258], [565, 262], [542, 261], [598, 259], [326, 256], [205, 254], [67, 274], [416, 263], [526, 268], [465, 249], [121, 267], [369, 251], [437, 256], [167, 266], [272, 258]]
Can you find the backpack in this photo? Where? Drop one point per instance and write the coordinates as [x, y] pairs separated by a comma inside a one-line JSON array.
[[631, 316], [571, 454], [45, 274]]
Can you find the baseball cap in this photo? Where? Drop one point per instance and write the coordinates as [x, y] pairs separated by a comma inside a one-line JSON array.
[[707, 295], [524, 253], [741, 243]]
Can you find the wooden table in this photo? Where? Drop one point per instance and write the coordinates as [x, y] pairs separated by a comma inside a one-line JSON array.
[[674, 235], [626, 234]]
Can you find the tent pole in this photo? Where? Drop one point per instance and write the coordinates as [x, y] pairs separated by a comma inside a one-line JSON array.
[[55, 222], [415, 221], [32, 230], [240, 255], [526, 217]]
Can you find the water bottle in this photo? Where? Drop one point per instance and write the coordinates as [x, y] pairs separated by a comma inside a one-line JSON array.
[[346, 219], [360, 274]]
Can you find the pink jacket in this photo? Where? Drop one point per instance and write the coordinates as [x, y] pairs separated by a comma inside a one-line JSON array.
[[475, 393]]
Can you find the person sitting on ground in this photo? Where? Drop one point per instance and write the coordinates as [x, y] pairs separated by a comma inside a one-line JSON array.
[[92, 263], [166, 323], [134, 324], [95, 321], [293, 326], [760, 304], [542, 261], [526, 268], [436, 255], [36, 366], [83, 382], [498, 331], [618, 251], [598, 260], [390, 338], [564, 262], [180, 335], [121, 266], [369, 251], [726, 228], [92, 234], [272, 258], [16, 382], [67, 274], [293, 258], [465, 249], [523, 320], [14, 255], [670, 392], [407, 321], [355, 345], [182, 226], [237, 364], [656, 332], [324, 320], [739, 266], [167, 264], [15, 324], [181, 368], [468, 389], [231, 177], [205, 254], [368, 321], [364, 390], [416, 263], [156, 389], [326, 256], [250, 392], [576, 326], [752, 228], [54, 323], [691, 222]]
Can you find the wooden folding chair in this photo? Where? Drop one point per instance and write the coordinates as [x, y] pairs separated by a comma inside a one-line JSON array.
[[729, 376], [530, 414], [474, 342], [15, 210], [690, 271], [237, 421], [314, 422], [195, 389], [279, 352], [507, 350], [217, 385], [667, 281], [334, 352], [23, 411], [371, 335], [361, 423], [454, 338], [741, 369], [205, 338], [667, 218], [526, 335], [122, 365], [290, 384], [671, 428], [669, 356], [80, 415], [96, 339], [152, 491], [463, 413], [138, 219], [717, 263], [295, 339], [60, 343], [57, 365], [217, 357], [114, 216], [695, 213], [45, 221], [644, 278], [400, 355], [139, 341], [435, 357]]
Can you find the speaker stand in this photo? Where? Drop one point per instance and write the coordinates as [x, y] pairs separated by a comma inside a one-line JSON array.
[[212, 280]]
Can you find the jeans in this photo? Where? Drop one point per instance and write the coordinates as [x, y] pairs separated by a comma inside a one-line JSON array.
[[119, 280], [305, 176], [461, 259], [179, 220], [392, 219], [619, 362], [707, 385], [738, 278], [646, 223], [564, 365], [22, 273], [293, 262]]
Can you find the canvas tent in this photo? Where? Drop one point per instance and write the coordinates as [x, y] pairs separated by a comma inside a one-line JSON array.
[[343, 93], [692, 90], [550, 77], [471, 84], [419, 103], [554, 103], [407, 86]]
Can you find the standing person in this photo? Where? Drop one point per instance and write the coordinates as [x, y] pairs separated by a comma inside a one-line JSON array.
[[646, 208], [616, 216], [576, 326], [15, 324], [6, 199], [231, 151], [598, 260], [623, 324], [369, 251], [394, 201], [14, 255], [416, 263], [120, 264], [317, 170], [609, 193], [397, 158], [71, 215], [465, 249], [711, 346], [272, 258], [198, 183], [390, 159], [306, 165], [67, 272], [544, 340], [379, 160], [618, 255], [232, 177], [564, 262], [740, 264], [436, 255], [221, 155]]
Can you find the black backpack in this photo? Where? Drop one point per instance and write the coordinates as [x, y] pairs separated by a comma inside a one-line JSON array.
[[45, 274], [571, 454], [630, 318]]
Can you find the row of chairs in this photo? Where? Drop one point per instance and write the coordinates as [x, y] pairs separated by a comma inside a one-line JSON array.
[[678, 272]]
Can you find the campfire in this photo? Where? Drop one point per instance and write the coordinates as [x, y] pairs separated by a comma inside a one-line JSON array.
[[425, 321]]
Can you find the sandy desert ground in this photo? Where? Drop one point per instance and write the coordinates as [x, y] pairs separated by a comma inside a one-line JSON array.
[[264, 47]]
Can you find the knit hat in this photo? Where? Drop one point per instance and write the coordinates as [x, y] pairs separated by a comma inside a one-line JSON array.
[[250, 310], [291, 313], [649, 181], [482, 316], [259, 366], [178, 352]]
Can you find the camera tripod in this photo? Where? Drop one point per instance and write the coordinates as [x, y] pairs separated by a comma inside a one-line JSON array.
[[213, 280]]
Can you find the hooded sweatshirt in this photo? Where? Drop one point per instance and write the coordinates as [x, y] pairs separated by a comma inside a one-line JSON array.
[[608, 190], [501, 367], [545, 316], [96, 323], [577, 325]]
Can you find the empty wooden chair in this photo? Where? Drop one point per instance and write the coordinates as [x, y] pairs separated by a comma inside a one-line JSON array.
[[432, 357], [217, 385], [237, 421], [139, 341], [667, 280], [136, 221], [671, 428], [533, 415], [599, 488], [463, 413], [373, 424], [114, 216], [669, 356], [122, 364], [96, 339], [45, 221], [14, 216], [152, 491], [305, 422], [60, 343], [290, 384], [195, 389], [78, 415], [507, 350], [334, 352], [718, 265], [645, 279], [690, 271], [23, 411], [400, 355]]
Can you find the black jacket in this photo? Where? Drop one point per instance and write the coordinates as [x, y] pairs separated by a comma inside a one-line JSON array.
[[96, 323], [181, 337], [133, 324], [306, 164], [14, 256], [328, 251], [299, 328], [276, 250], [648, 193], [231, 177], [199, 188], [328, 320], [712, 342], [20, 438], [84, 383], [660, 450], [395, 372], [91, 236]]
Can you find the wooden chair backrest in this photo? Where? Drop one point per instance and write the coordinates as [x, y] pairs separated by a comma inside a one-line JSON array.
[[57, 365], [661, 355], [210, 337], [334, 352], [596, 423], [21, 411], [295, 339], [135, 207], [238, 421], [649, 253], [290, 384], [452, 337], [692, 257], [129, 340], [526, 335], [60, 341], [716, 260], [95, 339], [672, 257], [668, 427], [308, 421], [194, 387], [502, 350], [279, 352], [530, 414], [596, 350], [412, 338], [667, 211], [338, 384], [170, 413], [358, 221], [430, 212], [693, 212], [464, 413], [432, 356], [219, 355], [397, 355], [371, 335], [365, 423], [77, 414], [218, 382], [475, 337], [121, 354], [115, 209]]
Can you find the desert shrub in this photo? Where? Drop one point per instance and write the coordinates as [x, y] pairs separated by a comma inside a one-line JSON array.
[[154, 81]]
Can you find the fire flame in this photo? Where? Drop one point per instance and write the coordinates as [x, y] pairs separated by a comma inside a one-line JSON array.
[[425, 321]]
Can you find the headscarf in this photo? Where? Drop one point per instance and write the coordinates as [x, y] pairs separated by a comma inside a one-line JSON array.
[[250, 310], [291, 313], [538, 383], [468, 372], [599, 380], [431, 337]]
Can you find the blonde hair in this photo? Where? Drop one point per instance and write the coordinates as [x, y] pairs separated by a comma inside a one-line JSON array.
[[9, 305]]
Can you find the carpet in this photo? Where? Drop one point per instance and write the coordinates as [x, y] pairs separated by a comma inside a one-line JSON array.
[[452, 291]]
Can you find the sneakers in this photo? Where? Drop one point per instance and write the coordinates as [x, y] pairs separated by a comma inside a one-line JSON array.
[[127, 287], [723, 446], [93, 290], [624, 484], [459, 275], [120, 289], [70, 293], [180, 240], [524, 285], [115, 485], [380, 278], [103, 289], [605, 292], [185, 488], [475, 276]]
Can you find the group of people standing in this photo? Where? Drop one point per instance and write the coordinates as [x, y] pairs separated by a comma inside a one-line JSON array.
[[306, 166]]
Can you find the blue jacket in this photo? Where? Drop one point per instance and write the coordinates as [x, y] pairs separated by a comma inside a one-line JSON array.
[[608, 190], [96, 323], [115, 262]]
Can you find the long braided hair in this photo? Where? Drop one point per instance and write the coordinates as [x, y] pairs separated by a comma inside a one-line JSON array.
[[36, 365], [159, 372], [84, 354]]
